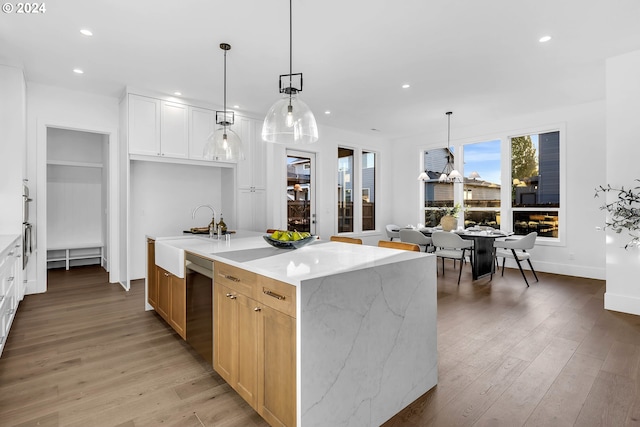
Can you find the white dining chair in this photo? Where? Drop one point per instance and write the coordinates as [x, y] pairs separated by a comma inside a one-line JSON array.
[[517, 249], [393, 231], [451, 246], [414, 236]]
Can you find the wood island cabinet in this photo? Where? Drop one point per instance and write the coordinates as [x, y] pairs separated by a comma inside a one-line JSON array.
[[255, 341], [172, 301]]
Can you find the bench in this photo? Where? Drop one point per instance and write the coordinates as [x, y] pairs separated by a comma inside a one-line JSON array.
[[70, 252]]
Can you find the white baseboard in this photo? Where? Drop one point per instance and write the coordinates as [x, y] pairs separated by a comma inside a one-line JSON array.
[[622, 303]]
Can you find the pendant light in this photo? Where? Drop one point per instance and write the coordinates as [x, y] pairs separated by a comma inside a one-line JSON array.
[[289, 120], [224, 144], [449, 173]]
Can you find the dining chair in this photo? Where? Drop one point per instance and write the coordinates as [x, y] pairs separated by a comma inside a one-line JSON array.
[[392, 231], [398, 245], [451, 246], [346, 239], [516, 249], [416, 237]]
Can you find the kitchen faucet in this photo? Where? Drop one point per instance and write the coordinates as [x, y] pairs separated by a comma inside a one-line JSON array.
[[212, 224]]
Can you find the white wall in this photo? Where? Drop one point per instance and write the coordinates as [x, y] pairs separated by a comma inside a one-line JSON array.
[[162, 198], [622, 156], [49, 106], [12, 148], [582, 250]]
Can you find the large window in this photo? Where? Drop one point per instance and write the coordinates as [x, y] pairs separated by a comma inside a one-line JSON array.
[[531, 174], [356, 191], [481, 184], [535, 185]]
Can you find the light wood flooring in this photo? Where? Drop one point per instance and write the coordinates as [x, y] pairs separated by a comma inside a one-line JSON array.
[[87, 354]]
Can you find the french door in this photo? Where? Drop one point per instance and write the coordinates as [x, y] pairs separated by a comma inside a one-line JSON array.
[[301, 209]]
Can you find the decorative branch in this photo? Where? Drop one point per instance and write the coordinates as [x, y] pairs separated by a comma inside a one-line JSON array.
[[624, 211]]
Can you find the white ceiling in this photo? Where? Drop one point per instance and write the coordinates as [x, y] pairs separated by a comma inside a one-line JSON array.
[[480, 59]]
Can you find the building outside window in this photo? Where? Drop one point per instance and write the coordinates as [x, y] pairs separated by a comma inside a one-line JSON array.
[[436, 194], [535, 183]]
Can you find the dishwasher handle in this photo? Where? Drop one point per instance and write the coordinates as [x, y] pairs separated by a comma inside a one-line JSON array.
[[199, 269]]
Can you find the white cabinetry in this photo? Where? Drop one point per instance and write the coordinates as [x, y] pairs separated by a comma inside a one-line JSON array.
[[251, 176], [202, 123], [144, 125], [11, 284], [157, 128], [174, 130]]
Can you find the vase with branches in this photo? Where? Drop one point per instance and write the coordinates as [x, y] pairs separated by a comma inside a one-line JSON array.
[[624, 211]]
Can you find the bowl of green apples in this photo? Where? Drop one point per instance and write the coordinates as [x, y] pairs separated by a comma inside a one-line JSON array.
[[285, 239]]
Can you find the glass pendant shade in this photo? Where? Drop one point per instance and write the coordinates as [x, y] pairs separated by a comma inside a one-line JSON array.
[[455, 176], [290, 121], [423, 176], [221, 148]]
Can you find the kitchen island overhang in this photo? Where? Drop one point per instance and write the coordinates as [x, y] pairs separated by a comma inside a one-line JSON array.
[[365, 324]]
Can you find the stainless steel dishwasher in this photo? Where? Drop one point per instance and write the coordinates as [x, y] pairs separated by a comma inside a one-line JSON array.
[[199, 275]]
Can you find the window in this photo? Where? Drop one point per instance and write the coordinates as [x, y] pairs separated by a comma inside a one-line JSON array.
[[436, 194], [368, 191], [481, 186], [535, 185], [356, 213], [345, 190], [530, 202]]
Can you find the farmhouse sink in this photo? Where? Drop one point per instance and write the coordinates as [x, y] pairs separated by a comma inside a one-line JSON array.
[[170, 257]]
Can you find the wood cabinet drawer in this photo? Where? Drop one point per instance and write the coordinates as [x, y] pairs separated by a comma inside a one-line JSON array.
[[277, 295], [237, 279]]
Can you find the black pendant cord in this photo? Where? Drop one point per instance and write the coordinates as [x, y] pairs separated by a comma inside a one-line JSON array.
[[224, 123], [290, 50]]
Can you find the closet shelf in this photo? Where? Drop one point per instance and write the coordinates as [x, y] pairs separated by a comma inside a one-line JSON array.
[[72, 163]]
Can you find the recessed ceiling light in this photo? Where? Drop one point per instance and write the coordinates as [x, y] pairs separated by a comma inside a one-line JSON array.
[[86, 32], [177, 93], [327, 112], [544, 39], [78, 71], [406, 86]]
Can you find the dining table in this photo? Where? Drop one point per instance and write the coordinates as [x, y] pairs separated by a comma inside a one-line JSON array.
[[483, 253]]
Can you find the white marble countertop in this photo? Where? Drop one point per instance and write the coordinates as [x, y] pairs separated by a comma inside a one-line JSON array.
[[248, 250], [6, 240]]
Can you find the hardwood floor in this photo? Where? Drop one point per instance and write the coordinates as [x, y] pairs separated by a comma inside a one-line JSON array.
[[87, 354]]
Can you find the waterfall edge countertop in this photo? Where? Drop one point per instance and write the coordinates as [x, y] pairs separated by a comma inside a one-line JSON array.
[[365, 323], [248, 250]]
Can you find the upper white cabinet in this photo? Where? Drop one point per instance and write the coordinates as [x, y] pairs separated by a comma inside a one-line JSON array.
[[251, 170], [174, 130], [144, 125], [202, 123]]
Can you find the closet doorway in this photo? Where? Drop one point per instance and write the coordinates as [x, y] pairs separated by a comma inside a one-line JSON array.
[[77, 198]]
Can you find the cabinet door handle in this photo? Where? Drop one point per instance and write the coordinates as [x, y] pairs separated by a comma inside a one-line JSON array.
[[233, 279], [232, 296], [166, 274], [273, 294], [257, 309], [10, 279]]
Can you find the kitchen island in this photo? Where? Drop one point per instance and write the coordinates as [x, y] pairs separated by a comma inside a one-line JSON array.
[[365, 323]]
